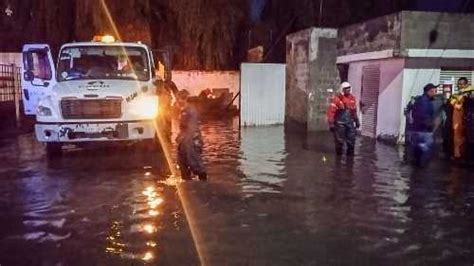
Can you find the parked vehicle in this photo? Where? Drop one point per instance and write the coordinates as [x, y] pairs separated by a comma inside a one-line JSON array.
[[99, 91]]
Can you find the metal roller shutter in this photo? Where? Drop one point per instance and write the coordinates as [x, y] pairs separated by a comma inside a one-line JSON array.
[[369, 98]]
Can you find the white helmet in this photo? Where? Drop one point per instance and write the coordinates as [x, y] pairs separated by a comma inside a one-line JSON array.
[[345, 85]]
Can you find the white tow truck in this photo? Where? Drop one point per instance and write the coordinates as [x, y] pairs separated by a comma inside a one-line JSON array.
[[99, 91]]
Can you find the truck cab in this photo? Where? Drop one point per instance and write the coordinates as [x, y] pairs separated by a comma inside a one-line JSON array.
[[100, 91]]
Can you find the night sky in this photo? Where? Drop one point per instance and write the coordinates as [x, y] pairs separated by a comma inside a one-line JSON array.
[[441, 5], [256, 9], [422, 5]]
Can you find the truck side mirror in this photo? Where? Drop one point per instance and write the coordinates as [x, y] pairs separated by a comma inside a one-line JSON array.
[[29, 76]]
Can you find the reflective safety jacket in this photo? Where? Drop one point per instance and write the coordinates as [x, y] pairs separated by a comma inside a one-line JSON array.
[[457, 123], [342, 110]]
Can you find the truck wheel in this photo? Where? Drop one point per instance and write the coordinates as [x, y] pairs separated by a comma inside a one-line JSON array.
[[53, 149]]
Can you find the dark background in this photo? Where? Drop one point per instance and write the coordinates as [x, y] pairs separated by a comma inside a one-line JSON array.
[[206, 34]]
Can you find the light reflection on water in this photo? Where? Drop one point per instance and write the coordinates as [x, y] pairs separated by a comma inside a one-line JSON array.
[[147, 209], [79, 204]]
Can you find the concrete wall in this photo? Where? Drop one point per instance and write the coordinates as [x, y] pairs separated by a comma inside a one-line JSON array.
[[408, 30], [196, 81], [436, 62], [398, 83], [10, 58], [355, 77], [413, 82], [378, 34], [390, 98], [324, 80], [423, 42], [297, 77], [421, 30], [311, 73]]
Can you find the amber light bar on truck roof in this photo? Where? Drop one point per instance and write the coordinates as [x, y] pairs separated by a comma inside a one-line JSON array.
[[104, 38]]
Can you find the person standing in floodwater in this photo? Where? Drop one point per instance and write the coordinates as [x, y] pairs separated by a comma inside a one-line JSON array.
[[343, 120], [423, 126], [189, 140]]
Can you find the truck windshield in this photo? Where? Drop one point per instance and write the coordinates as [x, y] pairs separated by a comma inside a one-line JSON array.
[[103, 62]]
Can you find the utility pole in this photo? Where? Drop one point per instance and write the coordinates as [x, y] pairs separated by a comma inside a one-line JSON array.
[[321, 2]]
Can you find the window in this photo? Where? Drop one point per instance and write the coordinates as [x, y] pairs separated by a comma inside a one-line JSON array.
[[103, 62], [37, 61]]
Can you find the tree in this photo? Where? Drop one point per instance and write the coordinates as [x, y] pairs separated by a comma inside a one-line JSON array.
[[207, 32], [128, 20], [30, 21]]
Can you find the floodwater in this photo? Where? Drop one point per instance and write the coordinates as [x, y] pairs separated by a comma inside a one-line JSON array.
[[273, 198]]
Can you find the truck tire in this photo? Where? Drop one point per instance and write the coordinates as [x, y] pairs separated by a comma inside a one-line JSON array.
[[53, 149]]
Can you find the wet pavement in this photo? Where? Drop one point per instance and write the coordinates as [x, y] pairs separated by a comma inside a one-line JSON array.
[[273, 198]]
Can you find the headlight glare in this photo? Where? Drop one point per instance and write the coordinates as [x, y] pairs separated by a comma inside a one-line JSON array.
[[146, 107]]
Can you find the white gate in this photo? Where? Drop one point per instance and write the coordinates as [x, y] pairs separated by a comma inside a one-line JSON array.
[[370, 99], [262, 88]]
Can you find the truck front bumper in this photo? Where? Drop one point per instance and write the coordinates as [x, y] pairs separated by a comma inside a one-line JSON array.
[[94, 131]]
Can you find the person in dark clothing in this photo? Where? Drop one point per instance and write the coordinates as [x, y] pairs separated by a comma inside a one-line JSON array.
[[189, 140], [409, 119], [343, 120], [423, 126], [409, 128], [468, 118]]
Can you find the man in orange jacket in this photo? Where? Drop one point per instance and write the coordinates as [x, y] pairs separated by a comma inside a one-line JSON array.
[[343, 120]]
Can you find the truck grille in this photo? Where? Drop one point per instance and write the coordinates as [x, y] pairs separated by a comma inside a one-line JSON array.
[[91, 109]]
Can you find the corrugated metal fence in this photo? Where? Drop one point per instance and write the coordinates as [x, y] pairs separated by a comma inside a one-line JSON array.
[[262, 94]]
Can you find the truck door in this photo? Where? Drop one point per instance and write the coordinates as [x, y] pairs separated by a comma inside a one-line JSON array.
[[38, 75]]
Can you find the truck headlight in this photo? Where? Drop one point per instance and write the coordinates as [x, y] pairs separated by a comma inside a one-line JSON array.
[[43, 111], [146, 107]]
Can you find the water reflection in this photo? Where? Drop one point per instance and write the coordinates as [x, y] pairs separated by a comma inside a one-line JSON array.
[[148, 256], [380, 209], [115, 244], [275, 196], [250, 157], [146, 211], [90, 206], [262, 160]]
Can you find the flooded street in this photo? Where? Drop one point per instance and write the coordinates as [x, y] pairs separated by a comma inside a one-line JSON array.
[[273, 198], [107, 207]]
